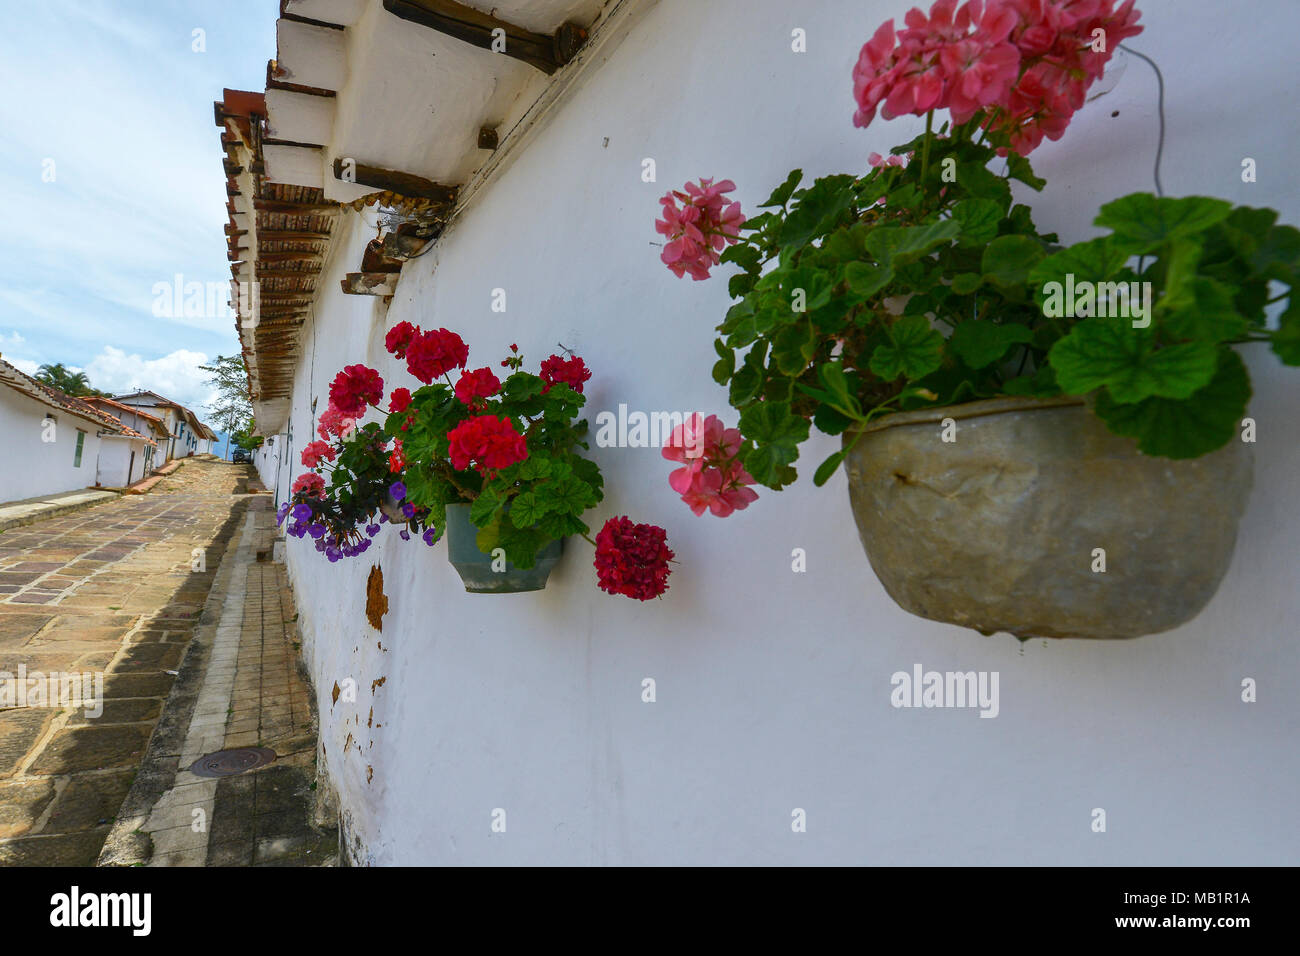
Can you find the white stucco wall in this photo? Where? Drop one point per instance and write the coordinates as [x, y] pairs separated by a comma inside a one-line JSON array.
[[32, 466], [774, 687], [116, 467]]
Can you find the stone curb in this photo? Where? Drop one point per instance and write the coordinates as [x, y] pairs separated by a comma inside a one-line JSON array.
[[54, 509], [124, 845]]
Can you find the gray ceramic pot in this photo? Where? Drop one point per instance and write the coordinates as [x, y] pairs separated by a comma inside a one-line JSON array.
[[996, 530], [475, 567]]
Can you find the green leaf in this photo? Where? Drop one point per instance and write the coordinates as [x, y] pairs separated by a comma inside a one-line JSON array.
[[777, 433], [1096, 260], [1189, 428], [964, 283], [1018, 168], [827, 468], [865, 279], [1278, 254], [1142, 222], [1042, 384], [892, 245], [484, 507], [743, 255], [1111, 353], [978, 218], [914, 350], [1286, 340], [1203, 310], [1008, 260], [817, 209], [782, 193], [524, 510], [522, 386], [980, 343]]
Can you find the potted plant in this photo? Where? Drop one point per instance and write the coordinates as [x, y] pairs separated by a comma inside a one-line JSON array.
[[1038, 439], [499, 466]]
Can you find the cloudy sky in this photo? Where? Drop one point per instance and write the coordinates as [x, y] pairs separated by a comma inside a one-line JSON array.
[[111, 182]]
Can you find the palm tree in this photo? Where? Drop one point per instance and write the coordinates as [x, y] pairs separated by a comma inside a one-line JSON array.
[[65, 380]]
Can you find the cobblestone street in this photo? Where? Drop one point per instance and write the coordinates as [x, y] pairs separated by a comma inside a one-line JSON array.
[[119, 589]]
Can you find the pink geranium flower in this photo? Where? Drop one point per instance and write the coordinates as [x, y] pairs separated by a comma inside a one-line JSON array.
[[700, 228], [713, 479], [316, 452]]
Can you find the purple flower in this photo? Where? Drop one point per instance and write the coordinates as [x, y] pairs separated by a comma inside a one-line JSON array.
[[404, 535], [281, 512], [302, 512], [397, 490], [408, 509], [372, 530], [316, 530], [428, 536]]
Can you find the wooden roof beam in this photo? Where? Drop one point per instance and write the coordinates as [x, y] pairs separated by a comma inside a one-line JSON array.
[[546, 53]]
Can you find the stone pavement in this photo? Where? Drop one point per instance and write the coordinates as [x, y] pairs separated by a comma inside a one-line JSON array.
[[113, 593], [240, 686]]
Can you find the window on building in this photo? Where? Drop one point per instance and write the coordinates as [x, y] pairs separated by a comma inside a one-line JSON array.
[[81, 443]]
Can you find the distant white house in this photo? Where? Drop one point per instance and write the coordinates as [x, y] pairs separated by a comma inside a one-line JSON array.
[[186, 434], [118, 467], [55, 442]]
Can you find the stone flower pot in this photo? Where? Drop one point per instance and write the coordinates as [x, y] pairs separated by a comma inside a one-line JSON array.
[[996, 530], [475, 567]]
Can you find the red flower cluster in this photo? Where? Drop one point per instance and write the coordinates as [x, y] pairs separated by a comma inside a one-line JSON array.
[[311, 485], [399, 337], [1028, 62], [477, 384], [435, 353], [488, 442], [400, 398], [697, 232], [354, 389], [316, 452], [397, 457], [572, 372], [632, 559]]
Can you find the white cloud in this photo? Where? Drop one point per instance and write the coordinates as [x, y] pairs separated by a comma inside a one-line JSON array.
[[23, 365], [176, 376], [10, 340]]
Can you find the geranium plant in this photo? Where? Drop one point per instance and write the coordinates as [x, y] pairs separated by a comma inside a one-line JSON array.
[[922, 282], [350, 491], [511, 449]]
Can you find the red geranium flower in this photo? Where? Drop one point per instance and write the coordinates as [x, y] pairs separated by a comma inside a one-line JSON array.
[[434, 353], [572, 372], [487, 442], [632, 559], [477, 384], [397, 458], [400, 398], [399, 337], [354, 389]]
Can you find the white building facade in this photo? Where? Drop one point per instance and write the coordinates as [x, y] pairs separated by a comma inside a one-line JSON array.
[[772, 687]]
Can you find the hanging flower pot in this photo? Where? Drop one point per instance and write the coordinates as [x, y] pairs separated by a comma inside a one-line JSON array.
[[1037, 520], [484, 574]]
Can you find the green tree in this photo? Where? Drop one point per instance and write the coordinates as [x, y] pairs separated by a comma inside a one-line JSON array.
[[232, 411], [65, 380]]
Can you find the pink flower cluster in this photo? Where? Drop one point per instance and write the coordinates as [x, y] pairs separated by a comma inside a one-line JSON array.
[[700, 228], [316, 452], [311, 485], [1027, 63], [333, 423], [713, 478]]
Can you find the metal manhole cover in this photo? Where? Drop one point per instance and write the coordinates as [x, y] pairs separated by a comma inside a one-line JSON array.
[[227, 763]]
